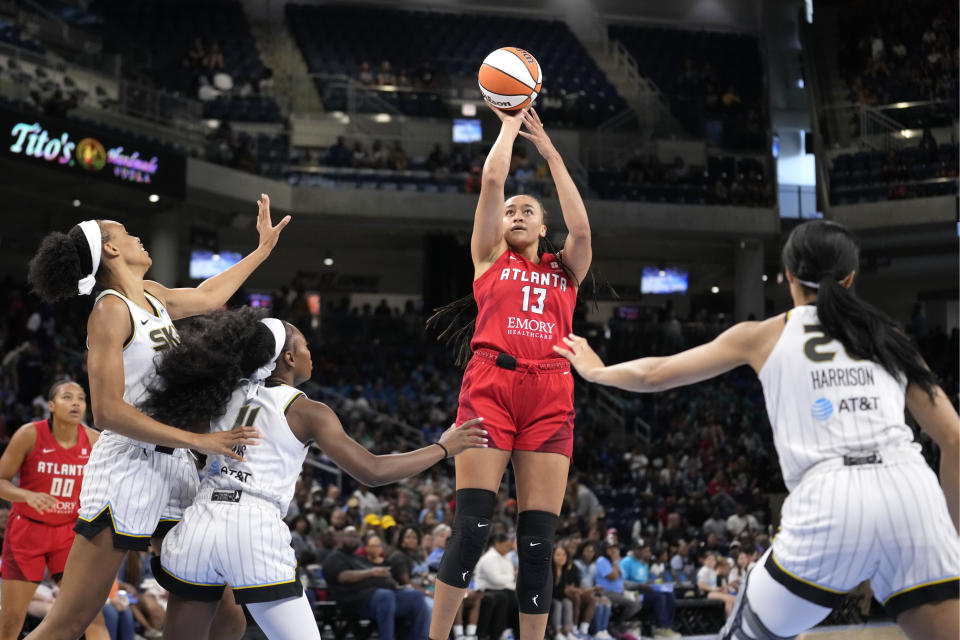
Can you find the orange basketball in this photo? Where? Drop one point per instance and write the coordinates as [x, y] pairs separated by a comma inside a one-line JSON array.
[[510, 78]]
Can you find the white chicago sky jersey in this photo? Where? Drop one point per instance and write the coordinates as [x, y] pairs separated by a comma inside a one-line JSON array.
[[153, 332], [822, 403], [274, 463]]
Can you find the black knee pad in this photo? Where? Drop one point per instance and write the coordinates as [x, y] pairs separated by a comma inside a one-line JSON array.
[[536, 531], [471, 530]]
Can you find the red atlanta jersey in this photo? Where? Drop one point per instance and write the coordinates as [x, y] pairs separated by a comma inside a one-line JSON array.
[[50, 468], [524, 308]]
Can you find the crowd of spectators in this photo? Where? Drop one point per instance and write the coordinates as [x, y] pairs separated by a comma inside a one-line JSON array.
[[724, 181], [644, 527], [898, 56]]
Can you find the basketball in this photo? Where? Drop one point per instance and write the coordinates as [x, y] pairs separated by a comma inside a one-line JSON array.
[[510, 78]]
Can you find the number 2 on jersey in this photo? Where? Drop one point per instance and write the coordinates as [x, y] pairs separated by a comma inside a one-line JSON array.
[[541, 295]]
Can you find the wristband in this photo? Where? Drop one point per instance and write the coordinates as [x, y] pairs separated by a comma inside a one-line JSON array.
[[446, 454]]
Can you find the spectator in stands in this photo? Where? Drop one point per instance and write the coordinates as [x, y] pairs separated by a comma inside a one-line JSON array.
[[408, 564], [681, 566], [369, 502], [496, 576], [731, 99], [213, 61], [440, 534], [196, 55], [366, 591], [338, 155], [708, 582], [741, 521], [610, 579], [635, 568], [425, 75], [583, 502], [436, 159], [378, 155], [373, 550], [366, 75], [431, 504], [403, 80], [716, 524], [398, 158], [385, 75], [303, 545], [360, 157], [739, 571]]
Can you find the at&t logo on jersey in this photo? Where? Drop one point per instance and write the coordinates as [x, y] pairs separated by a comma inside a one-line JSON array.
[[822, 409]]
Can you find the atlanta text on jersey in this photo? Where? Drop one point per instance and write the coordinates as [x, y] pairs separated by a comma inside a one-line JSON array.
[[57, 468], [535, 277]]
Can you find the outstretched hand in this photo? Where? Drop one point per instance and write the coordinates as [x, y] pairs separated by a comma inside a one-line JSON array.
[[536, 134], [459, 438], [510, 118], [269, 233], [583, 358]]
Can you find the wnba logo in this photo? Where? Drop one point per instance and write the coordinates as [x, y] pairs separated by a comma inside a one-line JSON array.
[[91, 155], [822, 409]]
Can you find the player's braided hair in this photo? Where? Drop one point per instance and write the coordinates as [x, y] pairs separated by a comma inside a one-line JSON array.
[[824, 252], [196, 378], [459, 318], [61, 260]]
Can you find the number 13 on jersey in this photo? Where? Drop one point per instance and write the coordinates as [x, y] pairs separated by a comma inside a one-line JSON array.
[[540, 294]]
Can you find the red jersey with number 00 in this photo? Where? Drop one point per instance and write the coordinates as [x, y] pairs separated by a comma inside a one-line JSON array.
[[524, 308], [50, 468]]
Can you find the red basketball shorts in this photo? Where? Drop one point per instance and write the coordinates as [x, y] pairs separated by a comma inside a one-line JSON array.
[[526, 405], [29, 547]]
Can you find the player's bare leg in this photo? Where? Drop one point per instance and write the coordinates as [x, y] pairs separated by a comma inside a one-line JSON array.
[[97, 629], [188, 619], [229, 623], [938, 621], [541, 485], [15, 596], [475, 469], [92, 567]]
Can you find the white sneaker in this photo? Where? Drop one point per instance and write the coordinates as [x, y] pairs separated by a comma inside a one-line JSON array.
[[559, 635], [603, 635], [507, 634]]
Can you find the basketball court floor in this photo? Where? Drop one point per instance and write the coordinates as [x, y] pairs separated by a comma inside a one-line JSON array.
[[880, 631]]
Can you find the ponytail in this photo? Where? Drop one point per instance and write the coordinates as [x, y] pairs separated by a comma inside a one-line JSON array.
[[867, 333], [824, 253], [196, 378]]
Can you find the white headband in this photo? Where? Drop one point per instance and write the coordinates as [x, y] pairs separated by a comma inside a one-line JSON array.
[[280, 338], [91, 231]]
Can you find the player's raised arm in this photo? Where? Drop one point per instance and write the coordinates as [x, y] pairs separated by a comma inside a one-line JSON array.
[[577, 250], [214, 292], [310, 420], [744, 343], [487, 242], [107, 329]]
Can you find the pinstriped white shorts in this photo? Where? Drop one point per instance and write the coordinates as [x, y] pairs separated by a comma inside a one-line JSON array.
[[887, 523], [232, 538], [135, 490]]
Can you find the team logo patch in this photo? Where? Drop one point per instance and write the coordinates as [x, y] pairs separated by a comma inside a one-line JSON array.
[[822, 409], [554, 265]]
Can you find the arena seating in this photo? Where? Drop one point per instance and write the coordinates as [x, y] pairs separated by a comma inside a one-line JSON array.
[[869, 176], [899, 56], [166, 30], [694, 70], [336, 40]]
